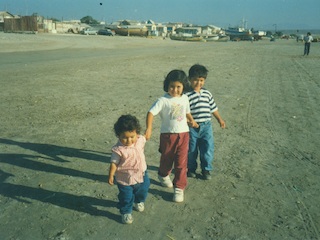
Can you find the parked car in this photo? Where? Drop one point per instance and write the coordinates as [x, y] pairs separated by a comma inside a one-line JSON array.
[[106, 32], [89, 31]]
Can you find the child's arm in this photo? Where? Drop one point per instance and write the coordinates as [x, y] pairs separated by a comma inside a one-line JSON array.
[[191, 121], [112, 170], [149, 122], [219, 119]]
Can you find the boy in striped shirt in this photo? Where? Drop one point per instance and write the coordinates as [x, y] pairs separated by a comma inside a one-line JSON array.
[[202, 107]]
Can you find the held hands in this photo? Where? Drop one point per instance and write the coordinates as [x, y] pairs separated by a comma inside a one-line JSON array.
[[148, 134], [193, 124]]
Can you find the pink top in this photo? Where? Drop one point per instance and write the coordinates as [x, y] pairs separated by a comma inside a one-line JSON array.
[[130, 161]]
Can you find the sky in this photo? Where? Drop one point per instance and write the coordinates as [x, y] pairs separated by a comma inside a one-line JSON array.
[[257, 14]]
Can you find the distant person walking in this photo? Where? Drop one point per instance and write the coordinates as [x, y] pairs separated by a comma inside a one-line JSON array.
[[307, 42]]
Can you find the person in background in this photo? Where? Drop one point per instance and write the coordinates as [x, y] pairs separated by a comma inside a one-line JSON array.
[[307, 42]]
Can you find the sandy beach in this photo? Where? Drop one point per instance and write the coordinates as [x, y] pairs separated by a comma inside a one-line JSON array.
[[61, 94]]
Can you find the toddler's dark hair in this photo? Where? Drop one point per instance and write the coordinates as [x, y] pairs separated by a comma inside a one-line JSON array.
[[126, 123], [197, 71], [175, 76]]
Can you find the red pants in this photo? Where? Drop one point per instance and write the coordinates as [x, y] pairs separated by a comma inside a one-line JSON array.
[[174, 152]]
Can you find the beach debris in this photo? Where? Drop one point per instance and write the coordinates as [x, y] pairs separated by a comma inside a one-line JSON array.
[[61, 235], [171, 238]]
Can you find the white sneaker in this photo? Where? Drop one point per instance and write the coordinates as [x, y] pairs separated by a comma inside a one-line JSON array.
[[139, 206], [165, 181], [127, 218], [178, 195]]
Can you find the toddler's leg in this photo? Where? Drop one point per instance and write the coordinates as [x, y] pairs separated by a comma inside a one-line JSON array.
[[126, 199], [142, 189]]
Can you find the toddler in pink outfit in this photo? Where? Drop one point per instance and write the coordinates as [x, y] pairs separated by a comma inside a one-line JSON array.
[[128, 167]]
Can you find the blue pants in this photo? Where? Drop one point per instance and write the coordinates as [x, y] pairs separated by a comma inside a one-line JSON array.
[[133, 194], [306, 48], [201, 141]]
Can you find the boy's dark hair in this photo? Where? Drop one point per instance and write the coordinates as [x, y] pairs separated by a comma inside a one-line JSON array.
[[197, 71], [175, 76], [126, 123]]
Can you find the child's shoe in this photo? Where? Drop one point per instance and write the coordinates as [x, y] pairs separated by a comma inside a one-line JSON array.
[[165, 181], [206, 175], [191, 174], [127, 218], [139, 206], [178, 195]]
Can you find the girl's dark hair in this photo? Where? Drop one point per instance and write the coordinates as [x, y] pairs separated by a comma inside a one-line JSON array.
[[197, 71], [126, 123], [175, 76]]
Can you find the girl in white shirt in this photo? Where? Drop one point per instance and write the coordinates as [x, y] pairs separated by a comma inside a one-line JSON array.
[[174, 110]]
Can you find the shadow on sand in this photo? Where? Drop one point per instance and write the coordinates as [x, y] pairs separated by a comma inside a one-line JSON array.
[[39, 162]]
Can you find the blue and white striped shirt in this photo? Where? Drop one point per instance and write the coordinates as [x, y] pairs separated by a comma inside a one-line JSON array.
[[202, 105]]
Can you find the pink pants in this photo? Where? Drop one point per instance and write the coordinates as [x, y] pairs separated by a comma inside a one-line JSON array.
[[174, 152]]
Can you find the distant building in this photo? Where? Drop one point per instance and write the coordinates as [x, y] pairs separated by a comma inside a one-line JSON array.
[[38, 24], [69, 26], [5, 15], [24, 24], [156, 29], [214, 29], [171, 27]]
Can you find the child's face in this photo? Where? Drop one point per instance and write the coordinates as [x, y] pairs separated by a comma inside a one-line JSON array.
[[175, 89], [128, 138], [197, 83]]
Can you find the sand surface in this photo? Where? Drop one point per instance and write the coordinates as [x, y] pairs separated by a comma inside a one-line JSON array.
[[61, 94]]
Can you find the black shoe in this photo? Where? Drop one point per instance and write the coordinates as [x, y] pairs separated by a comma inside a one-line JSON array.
[[206, 175], [191, 174]]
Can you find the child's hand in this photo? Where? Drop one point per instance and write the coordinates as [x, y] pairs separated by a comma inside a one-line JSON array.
[[219, 119], [111, 180], [222, 123], [193, 124], [148, 134]]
